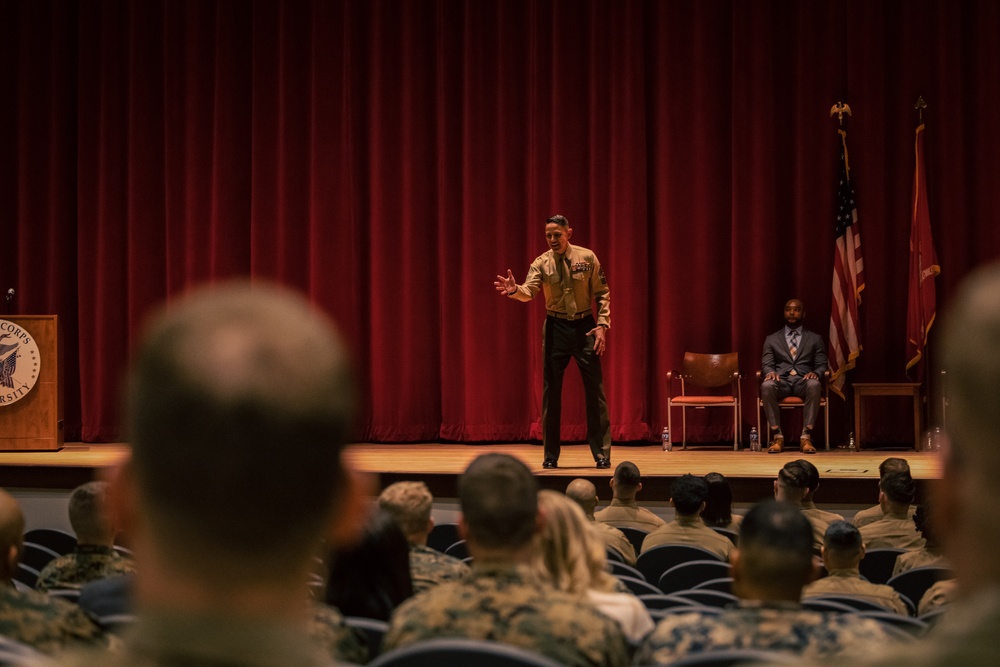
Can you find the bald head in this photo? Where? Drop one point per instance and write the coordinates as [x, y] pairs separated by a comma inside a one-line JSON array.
[[583, 493]]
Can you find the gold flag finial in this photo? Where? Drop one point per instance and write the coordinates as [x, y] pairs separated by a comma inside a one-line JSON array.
[[920, 106], [840, 109]]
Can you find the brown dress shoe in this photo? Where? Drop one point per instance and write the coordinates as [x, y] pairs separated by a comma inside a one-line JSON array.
[[806, 445], [776, 445]]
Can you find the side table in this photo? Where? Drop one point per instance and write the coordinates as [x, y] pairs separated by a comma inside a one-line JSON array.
[[863, 389]]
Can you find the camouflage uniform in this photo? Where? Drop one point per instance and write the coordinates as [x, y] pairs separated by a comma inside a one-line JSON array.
[[429, 567], [866, 516], [87, 562], [614, 538], [342, 642], [848, 581], [507, 603], [47, 624], [628, 514], [689, 530], [820, 520], [771, 626], [162, 639], [892, 531]]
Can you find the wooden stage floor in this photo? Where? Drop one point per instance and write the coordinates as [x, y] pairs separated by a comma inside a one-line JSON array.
[[846, 477]]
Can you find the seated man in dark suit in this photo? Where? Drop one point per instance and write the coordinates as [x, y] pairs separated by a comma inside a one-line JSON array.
[[792, 362]]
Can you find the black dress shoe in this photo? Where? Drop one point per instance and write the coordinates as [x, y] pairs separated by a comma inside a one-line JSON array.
[[550, 463], [603, 463]]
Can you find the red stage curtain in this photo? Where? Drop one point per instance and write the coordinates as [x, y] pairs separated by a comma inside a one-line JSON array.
[[390, 158]]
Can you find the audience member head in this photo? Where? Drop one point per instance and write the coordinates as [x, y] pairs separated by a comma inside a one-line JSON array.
[[11, 535], [625, 483], [842, 546], [774, 559], [568, 552], [687, 495], [499, 499], [812, 479], [409, 503], [89, 516], [719, 502], [971, 453], [240, 403], [371, 577], [792, 484], [893, 464], [583, 493], [896, 492]]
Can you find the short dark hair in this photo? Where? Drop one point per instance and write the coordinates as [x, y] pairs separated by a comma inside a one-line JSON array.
[[899, 487], [794, 475], [812, 474], [241, 400], [558, 219], [88, 512], [842, 537], [893, 464], [688, 493], [627, 474], [776, 543], [499, 499]]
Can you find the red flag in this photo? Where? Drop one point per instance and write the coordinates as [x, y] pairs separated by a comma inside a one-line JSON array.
[[922, 299], [848, 278]]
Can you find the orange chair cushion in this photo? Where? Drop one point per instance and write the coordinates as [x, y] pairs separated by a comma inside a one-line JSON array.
[[714, 400]]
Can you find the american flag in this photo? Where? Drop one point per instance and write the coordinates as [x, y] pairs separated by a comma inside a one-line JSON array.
[[848, 278], [7, 368], [921, 307]]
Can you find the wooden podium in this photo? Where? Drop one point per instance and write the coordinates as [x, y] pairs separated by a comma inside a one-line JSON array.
[[35, 421]]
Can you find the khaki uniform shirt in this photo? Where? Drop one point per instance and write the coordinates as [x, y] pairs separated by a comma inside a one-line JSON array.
[[938, 595], [589, 283], [429, 567], [628, 514], [919, 558], [849, 582], [614, 538], [866, 516], [820, 520], [507, 603], [775, 626], [689, 530], [894, 531]]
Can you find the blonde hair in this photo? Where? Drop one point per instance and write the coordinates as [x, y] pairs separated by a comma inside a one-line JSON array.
[[569, 553]]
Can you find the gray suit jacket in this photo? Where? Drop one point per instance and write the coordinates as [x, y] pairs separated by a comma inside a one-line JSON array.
[[811, 356]]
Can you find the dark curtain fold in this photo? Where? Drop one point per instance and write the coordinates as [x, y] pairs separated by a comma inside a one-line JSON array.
[[389, 158]]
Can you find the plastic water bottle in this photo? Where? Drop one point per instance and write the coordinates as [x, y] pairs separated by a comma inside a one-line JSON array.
[[754, 440], [665, 437], [850, 443]]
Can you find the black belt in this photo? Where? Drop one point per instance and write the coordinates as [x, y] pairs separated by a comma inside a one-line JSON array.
[[571, 318]]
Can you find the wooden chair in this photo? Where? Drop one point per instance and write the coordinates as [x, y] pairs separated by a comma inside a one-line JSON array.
[[705, 372], [791, 403]]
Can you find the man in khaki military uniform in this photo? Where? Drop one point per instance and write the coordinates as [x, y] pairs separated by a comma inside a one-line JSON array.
[[94, 556], [584, 493], [409, 504], [816, 516], [842, 554], [891, 464], [687, 495], [792, 486], [503, 599], [770, 567], [571, 278], [895, 530], [624, 511]]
